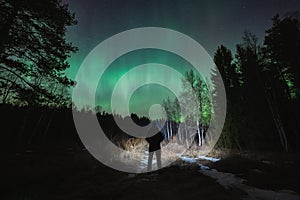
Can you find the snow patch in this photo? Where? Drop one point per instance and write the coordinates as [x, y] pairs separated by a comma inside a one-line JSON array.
[[228, 180], [188, 160], [203, 167], [211, 159], [194, 160]]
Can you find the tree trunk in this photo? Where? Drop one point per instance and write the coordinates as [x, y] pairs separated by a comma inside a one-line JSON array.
[[198, 133]]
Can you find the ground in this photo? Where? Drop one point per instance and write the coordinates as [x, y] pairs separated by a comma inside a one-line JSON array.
[[77, 175]]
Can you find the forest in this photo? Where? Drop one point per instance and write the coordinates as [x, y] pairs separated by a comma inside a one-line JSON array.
[[261, 82], [261, 79]]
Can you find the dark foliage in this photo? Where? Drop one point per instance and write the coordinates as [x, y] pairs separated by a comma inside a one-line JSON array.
[[262, 86], [49, 129], [34, 52]]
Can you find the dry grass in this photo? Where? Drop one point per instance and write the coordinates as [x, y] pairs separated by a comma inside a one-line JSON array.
[[136, 151], [133, 144]]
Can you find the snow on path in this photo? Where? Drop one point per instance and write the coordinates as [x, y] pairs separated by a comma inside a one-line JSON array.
[[209, 158], [194, 160], [228, 180]]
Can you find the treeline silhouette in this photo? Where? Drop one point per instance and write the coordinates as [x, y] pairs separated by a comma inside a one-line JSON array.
[[262, 83], [44, 129]]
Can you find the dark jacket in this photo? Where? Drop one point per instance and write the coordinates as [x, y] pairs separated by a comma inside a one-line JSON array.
[[155, 140]]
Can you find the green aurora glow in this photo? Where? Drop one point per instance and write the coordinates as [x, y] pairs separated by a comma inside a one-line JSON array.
[[146, 95], [210, 22]]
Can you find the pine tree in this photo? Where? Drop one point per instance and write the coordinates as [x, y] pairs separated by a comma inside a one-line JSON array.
[[34, 51]]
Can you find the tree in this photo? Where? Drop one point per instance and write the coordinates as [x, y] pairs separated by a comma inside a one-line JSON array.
[[33, 51], [197, 111], [247, 59], [281, 52], [228, 70], [223, 59], [169, 108], [262, 88], [282, 46], [231, 79]]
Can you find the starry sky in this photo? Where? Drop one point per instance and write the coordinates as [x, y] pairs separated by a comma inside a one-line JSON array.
[[209, 22]]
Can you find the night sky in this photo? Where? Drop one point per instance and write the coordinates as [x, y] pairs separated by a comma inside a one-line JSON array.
[[209, 22]]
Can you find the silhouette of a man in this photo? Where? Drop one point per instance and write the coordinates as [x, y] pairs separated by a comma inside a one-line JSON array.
[[154, 145]]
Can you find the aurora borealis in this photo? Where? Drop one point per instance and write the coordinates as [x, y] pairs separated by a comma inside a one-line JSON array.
[[146, 95], [211, 23]]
